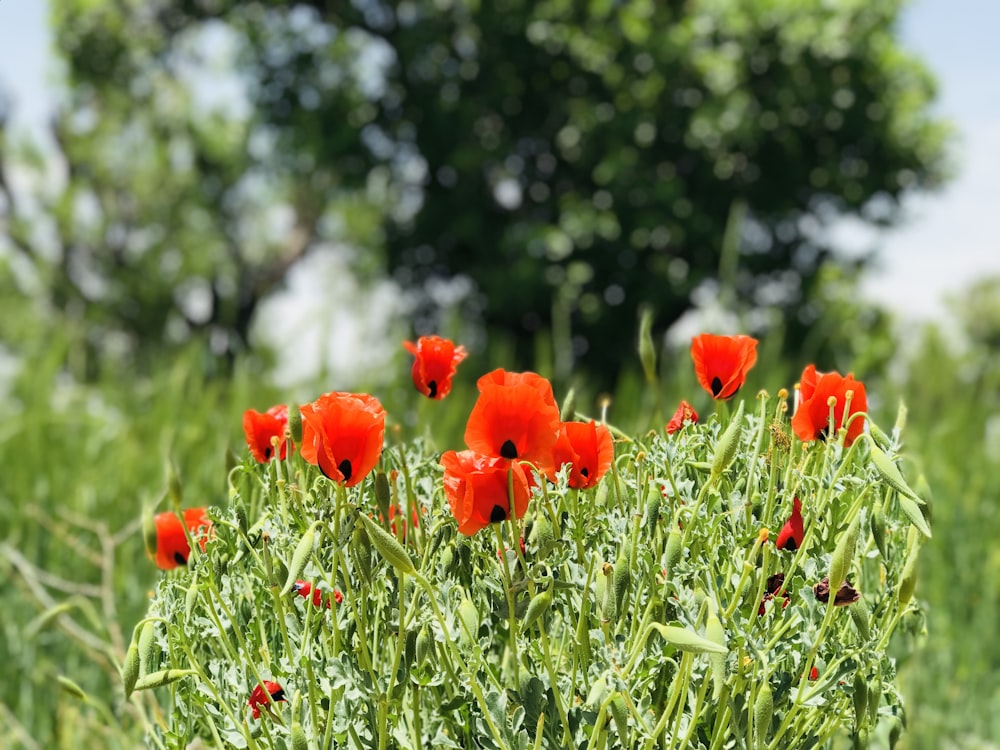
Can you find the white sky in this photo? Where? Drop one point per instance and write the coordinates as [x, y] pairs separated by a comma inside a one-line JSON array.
[[949, 239]]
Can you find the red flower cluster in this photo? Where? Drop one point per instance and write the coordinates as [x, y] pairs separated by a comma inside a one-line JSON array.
[[812, 417], [435, 363], [722, 362], [172, 548], [260, 429], [515, 421], [258, 698], [342, 434]]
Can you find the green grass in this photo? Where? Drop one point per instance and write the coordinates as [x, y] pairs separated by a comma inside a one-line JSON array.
[[79, 462]]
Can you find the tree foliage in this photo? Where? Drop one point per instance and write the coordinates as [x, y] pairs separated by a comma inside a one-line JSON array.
[[575, 160]]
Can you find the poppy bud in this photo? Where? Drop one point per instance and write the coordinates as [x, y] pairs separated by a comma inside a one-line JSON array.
[[717, 634], [299, 741], [763, 709], [915, 512], [608, 611], [900, 418], [860, 616], [687, 640], [541, 536], [622, 578], [860, 698], [295, 423], [874, 698], [652, 512], [130, 668], [161, 678], [876, 522], [889, 472], [191, 598], [619, 712], [388, 547], [425, 646], [72, 688], [843, 555], [860, 740], [300, 557], [361, 553], [673, 553], [725, 449], [598, 692], [383, 495], [468, 617], [880, 438], [538, 606], [147, 647], [908, 578]]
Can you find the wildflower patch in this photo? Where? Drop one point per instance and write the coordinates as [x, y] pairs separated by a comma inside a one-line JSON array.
[[725, 580]]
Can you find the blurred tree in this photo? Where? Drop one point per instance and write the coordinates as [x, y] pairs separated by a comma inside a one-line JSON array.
[[575, 160]]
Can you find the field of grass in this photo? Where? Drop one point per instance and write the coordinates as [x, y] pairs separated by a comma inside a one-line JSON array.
[[80, 461]]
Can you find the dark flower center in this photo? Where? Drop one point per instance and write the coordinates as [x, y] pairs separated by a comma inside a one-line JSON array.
[[824, 433], [180, 559], [278, 695], [508, 449], [498, 514], [267, 452], [716, 386], [584, 472], [345, 468], [432, 388]]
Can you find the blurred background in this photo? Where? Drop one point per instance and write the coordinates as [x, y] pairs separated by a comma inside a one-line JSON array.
[[210, 205]]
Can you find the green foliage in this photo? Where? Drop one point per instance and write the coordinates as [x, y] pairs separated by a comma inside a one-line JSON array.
[[953, 448], [441, 640], [577, 161], [80, 462]]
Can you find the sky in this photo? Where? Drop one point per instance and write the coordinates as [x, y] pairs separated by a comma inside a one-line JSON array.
[[948, 238]]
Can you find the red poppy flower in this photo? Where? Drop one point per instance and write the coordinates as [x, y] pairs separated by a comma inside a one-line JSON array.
[[812, 417], [261, 428], [503, 377], [814, 674], [845, 595], [342, 433], [258, 698], [515, 416], [791, 534], [435, 364], [588, 447], [303, 589], [172, 547], [685, 412], [722, 362], [477, 489]]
